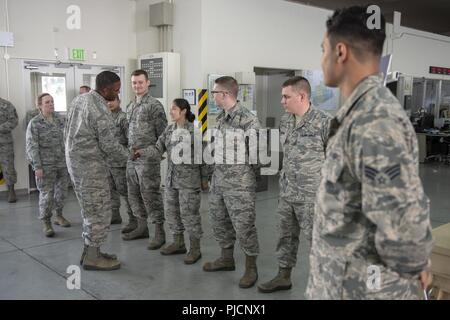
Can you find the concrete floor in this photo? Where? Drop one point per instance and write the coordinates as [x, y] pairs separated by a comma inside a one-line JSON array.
[[34, 267]]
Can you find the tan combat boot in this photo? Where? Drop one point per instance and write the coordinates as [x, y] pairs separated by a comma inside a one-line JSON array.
[[94, 260], [282, 281], [61, 221], [159, 239], [11, 194], [176, 247], [103, 254], [48, 230], [132, 225], [251, 273], [140, 232], [224, 263], [194, 253]]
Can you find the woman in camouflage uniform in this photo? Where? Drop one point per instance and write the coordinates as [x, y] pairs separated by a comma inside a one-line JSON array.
[[183, 182], [45, 152]]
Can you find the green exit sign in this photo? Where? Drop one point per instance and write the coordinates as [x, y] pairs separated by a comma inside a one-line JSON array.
[[77, 54]]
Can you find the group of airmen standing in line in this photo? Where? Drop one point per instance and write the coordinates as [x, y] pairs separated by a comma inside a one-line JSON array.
[[350, 182]]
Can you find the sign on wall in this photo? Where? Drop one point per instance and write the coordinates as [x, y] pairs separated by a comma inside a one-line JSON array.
[[190, 96]]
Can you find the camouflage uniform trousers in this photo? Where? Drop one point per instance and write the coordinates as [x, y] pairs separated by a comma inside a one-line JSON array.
[[52, 191], [144, 194], [94, 197], [292, 218], [182, 208], [118, 183], [7, 163], [360, 284], [233, 214]]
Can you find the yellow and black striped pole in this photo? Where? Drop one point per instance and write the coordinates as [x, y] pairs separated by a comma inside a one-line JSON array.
[[203, 110], [2, 180]]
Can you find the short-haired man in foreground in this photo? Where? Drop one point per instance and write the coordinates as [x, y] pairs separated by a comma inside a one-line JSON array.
[[372, 235]]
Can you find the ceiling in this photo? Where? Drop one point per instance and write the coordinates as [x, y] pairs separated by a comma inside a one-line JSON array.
[[426, 15]]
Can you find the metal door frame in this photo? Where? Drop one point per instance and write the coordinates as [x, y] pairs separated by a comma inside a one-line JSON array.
[[74, 80]]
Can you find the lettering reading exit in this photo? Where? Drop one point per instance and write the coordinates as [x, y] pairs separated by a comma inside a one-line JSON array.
[[77, 54]]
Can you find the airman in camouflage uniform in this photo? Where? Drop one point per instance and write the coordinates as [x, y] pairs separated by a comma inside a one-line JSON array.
[[30, 114], [183, 181], [90, 146], [8, 121], [118, 178], [233, 187], [147, 121], [45, 153], [372, 235], [303, 136]]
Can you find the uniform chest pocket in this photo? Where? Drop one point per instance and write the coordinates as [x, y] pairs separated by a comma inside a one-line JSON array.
[[333, 166], [310, 140], [47, 137], [142, 121]]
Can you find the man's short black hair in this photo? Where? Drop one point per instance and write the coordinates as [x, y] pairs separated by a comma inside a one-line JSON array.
[[350, 25], [106, 79], [298, 83]]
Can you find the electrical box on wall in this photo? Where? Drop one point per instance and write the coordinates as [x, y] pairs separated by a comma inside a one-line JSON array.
[[163, 70], [164, 74], [161, 14]]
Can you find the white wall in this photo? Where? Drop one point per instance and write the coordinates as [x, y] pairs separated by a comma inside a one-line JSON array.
[[105, 28], [147, 38], [262, 82], [187, 38], [225, 36], [415, 51], [239, 35]]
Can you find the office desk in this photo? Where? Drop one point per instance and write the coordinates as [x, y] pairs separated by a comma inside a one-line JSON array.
[[424, 140]]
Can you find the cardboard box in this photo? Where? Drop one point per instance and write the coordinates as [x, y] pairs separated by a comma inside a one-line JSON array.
[[440, 257]]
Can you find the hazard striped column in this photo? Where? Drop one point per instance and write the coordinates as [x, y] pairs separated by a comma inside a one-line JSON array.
[[2, 180], [203, 110]]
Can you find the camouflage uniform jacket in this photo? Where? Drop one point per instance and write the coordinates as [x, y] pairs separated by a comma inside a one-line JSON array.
[[239, 175], [182, 175], [45, 142], [370, 208], [304, 147], [120, 133], [89, 135], [147, 121], [8, 121]]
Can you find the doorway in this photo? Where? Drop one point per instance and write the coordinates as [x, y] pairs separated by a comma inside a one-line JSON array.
[[62, 81]]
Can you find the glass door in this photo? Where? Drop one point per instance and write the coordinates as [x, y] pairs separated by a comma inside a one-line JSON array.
[[63, 82], [85, 75], [52, 78], [55, 79]]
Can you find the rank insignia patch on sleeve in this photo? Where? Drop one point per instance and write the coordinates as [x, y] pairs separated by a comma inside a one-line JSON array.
[[382, 177]]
